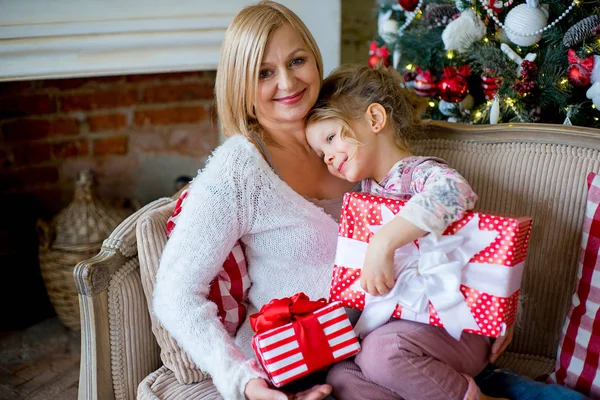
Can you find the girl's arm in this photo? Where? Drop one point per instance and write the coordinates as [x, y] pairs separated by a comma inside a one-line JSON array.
[[442, 196], [377, 276], [215, 215]]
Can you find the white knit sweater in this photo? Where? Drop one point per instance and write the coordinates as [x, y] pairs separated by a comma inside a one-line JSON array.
[[289, 244]]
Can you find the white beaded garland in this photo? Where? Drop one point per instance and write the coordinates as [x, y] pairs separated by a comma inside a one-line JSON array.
[[534, 33], [410, 15]]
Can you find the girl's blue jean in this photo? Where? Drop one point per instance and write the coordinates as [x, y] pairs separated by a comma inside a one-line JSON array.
[[504, 382]]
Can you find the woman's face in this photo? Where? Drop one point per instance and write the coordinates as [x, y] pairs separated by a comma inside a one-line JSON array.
[[289, 80]]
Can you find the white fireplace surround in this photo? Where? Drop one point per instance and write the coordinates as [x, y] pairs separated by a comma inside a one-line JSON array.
[[72, 38]]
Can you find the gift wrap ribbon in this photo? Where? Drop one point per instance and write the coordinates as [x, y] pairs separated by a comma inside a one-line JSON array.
[[432, 272], [299, 310]]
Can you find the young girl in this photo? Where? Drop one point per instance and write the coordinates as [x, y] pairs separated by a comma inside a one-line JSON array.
[[361, 126]]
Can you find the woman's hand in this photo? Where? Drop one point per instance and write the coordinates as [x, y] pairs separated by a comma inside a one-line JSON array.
[[501, 343], [258, 389], [377, 276]]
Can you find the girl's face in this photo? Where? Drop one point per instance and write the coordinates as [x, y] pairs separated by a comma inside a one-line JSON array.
[[345, 158], [289, 80]]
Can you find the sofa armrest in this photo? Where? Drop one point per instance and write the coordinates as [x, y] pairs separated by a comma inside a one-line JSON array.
[[92, 278]]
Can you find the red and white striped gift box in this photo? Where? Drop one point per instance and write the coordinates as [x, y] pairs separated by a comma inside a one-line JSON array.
[[306, 345]]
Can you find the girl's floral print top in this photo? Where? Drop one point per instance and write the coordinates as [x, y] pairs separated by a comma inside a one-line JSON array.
[[436, 195]]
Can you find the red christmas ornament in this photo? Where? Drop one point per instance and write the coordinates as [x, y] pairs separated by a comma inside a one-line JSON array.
[[453, 85], [408, 5], [424, 85], [578, 76], [490, 85], [377, 53], [580, 71]]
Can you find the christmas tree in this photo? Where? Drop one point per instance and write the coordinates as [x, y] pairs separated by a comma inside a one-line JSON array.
[[489, 61]]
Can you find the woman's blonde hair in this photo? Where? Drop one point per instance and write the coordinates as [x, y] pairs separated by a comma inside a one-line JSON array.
[[347, 93], [241, 56]]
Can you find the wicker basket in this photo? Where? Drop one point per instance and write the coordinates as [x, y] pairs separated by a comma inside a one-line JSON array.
[[75, 234]]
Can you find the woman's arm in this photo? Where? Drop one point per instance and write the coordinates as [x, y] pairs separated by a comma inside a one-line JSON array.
[[214, 217]]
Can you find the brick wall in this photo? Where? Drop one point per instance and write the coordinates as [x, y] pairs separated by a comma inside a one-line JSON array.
[[138, 133]]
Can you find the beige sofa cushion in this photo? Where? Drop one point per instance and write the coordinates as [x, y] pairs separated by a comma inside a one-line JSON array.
[[151, 239], [162, 385]]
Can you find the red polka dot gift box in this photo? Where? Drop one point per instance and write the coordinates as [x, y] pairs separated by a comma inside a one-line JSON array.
[[467, 280], [296, 336]]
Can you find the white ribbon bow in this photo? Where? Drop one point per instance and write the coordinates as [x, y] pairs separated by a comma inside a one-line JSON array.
[[431, 272]]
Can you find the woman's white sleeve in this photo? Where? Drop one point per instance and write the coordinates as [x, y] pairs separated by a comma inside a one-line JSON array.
[[213, 218]]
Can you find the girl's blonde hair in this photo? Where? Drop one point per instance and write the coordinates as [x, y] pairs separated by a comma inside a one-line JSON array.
[[347, 93], [236, 84]]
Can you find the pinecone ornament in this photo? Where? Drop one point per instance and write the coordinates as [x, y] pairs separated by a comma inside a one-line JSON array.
[[441, 14], [585, 28]]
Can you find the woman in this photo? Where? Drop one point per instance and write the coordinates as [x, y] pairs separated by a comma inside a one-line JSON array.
[[260, 186]]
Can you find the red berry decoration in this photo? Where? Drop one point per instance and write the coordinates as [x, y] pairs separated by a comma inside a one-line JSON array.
[[528, 77], [377, 53], [453, 86], [408, 5], [424, 84]]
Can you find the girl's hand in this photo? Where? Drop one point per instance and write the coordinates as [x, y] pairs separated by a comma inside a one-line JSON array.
[[258, 389], [501, 343], [377, 276]]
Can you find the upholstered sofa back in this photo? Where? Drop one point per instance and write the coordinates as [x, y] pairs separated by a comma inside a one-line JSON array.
[[539, 173], [534, 169]]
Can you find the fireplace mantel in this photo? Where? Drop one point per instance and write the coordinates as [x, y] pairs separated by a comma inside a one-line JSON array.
[[71, 38]]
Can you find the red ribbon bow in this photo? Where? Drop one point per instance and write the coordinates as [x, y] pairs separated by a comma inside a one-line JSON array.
[[585, 63], [381, 52], [282, 311], [463, 71], [425, 75]]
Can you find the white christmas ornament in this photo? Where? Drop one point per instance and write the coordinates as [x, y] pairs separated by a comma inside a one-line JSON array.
[[567, 120], [396, 56], [461, 33], [523, 23], [495, 110], [390, 27], [593, 93], [387, 27], [447, 108]]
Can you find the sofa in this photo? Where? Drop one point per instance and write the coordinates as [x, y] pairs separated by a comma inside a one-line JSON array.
[[536, 170]]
